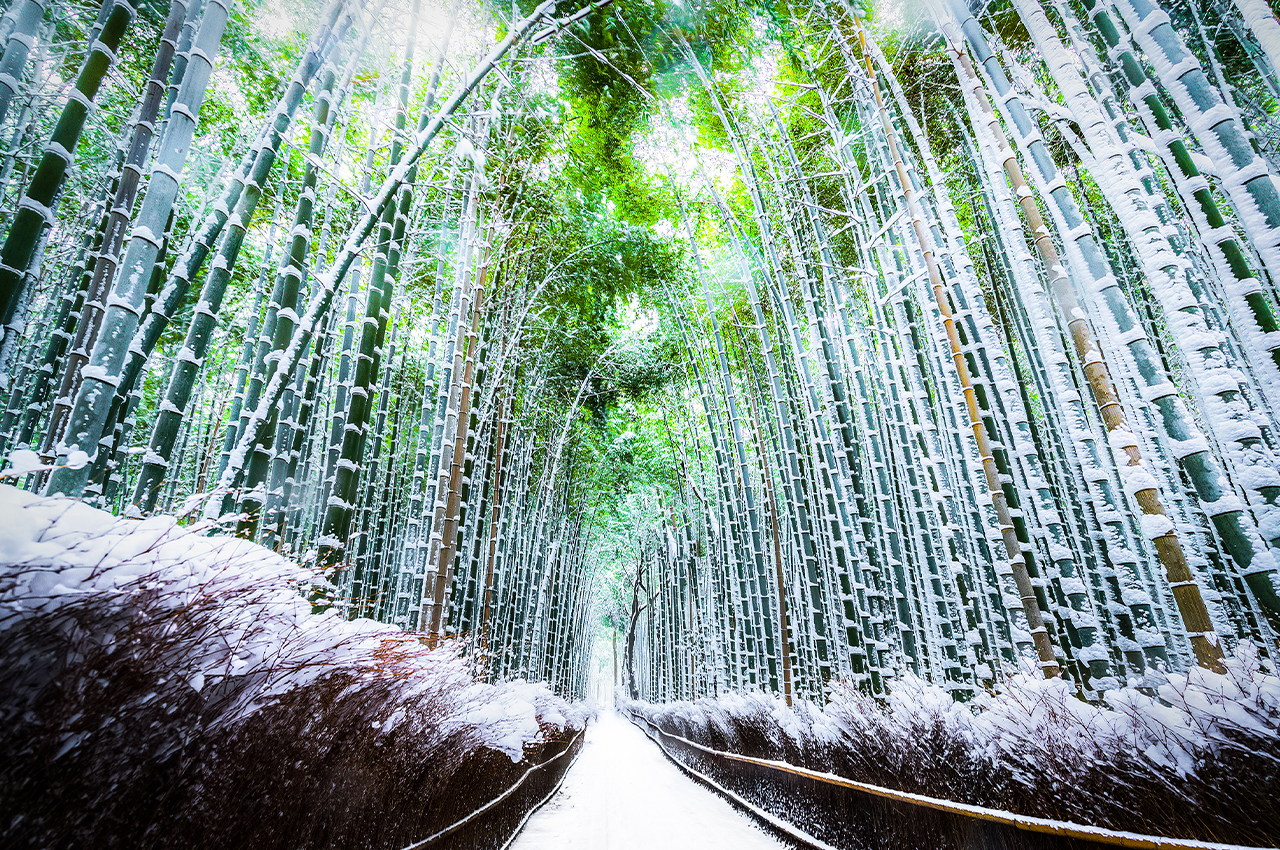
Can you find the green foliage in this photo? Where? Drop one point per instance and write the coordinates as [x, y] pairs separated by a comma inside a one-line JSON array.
[[253, 67], [617, 65], [592, 264], [635, 473]]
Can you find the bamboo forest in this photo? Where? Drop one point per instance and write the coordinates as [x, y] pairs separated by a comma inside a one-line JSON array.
[[640, 423]]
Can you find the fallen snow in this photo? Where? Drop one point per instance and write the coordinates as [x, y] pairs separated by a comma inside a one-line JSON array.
[[623, 793], [1189, 716]]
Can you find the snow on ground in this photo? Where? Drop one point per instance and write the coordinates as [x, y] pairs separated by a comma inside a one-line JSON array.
[[623, 793]]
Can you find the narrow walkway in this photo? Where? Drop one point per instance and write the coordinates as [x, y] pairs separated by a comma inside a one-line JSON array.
[[623, 794]]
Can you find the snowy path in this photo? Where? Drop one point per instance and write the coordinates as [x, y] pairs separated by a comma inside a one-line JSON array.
[[622, 793]]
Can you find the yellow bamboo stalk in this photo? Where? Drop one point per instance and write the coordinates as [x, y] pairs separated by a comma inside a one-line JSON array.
[[1013, 547], [1186, 593]]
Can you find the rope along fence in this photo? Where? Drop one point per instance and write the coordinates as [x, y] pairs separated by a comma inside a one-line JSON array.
[[825, 811], [497, 822]]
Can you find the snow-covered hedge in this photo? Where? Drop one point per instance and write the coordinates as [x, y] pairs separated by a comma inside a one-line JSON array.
[[159, 686], [1200, 758]]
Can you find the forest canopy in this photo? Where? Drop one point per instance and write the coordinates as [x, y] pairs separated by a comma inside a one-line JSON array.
[[787, 342]]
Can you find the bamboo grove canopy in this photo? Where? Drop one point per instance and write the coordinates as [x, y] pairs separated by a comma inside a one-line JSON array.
[[782, 341]]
